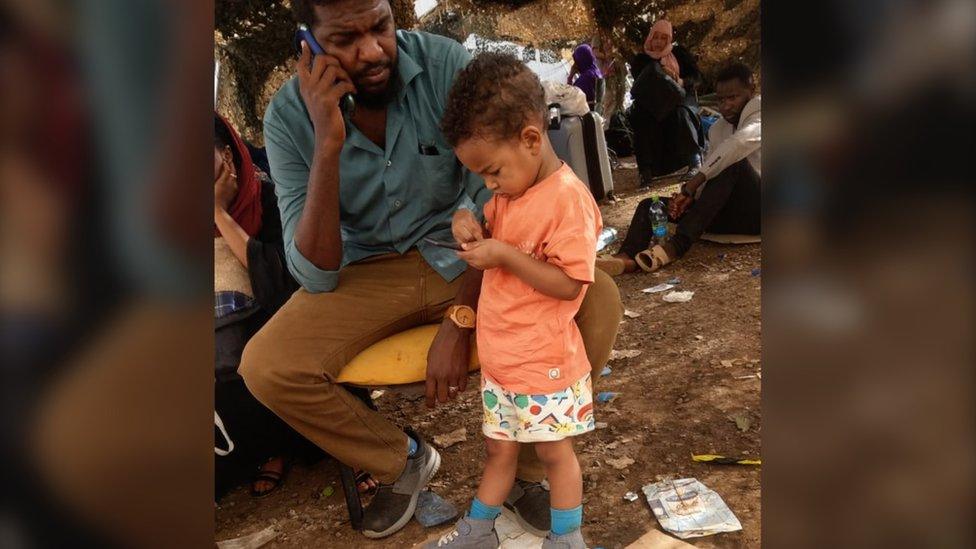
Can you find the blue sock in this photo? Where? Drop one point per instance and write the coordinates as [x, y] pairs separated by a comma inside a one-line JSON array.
[[480, 511], [411, 446], [565, 521]]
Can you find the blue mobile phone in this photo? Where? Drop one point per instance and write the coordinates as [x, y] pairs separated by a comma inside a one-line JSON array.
[[347, 103]]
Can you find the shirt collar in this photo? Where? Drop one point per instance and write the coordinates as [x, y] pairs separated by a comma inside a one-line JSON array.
[[408, 69]]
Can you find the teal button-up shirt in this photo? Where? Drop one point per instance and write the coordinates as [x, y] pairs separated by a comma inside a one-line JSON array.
[[388, 199]]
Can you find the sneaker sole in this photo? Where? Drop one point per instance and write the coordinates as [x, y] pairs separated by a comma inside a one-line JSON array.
[[432, 467], [513, 514]]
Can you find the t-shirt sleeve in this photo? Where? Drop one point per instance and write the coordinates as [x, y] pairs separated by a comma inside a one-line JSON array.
[[571, 246]]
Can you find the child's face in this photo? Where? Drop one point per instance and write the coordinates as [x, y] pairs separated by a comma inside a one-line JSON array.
[[509, 166]]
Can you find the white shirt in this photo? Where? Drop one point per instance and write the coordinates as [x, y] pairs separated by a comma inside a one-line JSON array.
[[728, 144]]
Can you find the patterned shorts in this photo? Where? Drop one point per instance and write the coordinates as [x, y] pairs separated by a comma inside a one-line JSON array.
[[537, 418]]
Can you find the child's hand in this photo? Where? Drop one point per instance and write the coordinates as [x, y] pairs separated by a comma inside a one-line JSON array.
[[485, 254], [465, 226]]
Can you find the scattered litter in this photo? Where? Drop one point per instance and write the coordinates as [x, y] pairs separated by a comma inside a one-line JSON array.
[[328, 491], [625, 165], [723, 460], [433, 509], [631, 496], [663, 287], [675, 281], [250, 541], [750, 376], [606, 371], [678, 297], [376, 394], [742, 421], [631, 314], [628, 353], [450, 439], [601, 425], [620, 463], [604, 397], [727, 364], [699, 337], [687, 509], [756, 272]]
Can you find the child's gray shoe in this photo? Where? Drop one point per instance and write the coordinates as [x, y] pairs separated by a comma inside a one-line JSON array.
[[469, 533], [572, 540]]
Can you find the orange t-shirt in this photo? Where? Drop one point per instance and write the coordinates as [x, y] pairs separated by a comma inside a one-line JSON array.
[[528, 342]]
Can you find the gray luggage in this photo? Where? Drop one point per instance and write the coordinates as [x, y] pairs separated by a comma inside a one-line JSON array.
[[579, 141]]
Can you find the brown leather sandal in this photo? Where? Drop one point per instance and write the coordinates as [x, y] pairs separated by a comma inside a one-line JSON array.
[[652, 259]]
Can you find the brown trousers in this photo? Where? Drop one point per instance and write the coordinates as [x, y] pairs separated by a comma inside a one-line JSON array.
[[291, 364]]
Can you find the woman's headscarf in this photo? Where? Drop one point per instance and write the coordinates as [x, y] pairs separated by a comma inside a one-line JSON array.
[[246, 209], [589, 72], [667, 59]]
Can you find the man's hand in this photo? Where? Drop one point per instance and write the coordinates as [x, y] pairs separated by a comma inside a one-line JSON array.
[[485, 254], [678, 204], [322, 82], [465, 226], [225, 188], [447, 363]]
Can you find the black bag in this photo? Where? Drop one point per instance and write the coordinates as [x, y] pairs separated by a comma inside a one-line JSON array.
[[619, 136]]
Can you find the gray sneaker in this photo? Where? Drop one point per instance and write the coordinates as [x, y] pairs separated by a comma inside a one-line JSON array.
[[468, 533], [572, 540], [394, 504], [528, 505]]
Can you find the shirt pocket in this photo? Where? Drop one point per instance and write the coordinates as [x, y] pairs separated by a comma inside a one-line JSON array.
[[441, 175]]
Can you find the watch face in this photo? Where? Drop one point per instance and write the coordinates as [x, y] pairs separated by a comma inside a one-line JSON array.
[[464, 316]]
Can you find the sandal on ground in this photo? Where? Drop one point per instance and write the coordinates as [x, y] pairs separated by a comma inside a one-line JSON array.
[[613, 266], [274, 477], [652, 259]]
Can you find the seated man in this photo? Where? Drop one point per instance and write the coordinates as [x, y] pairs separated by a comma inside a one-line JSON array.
[[723, 198], [358, 193]]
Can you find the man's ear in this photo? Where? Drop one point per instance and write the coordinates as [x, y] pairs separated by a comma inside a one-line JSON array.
[[531, 138]]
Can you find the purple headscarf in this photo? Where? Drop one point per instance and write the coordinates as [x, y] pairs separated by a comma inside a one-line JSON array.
[[589, 72]]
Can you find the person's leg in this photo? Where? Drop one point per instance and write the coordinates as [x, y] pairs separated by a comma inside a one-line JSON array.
[[291, 366], [714, 198], [639, 232], [501, 459], [566, 484]]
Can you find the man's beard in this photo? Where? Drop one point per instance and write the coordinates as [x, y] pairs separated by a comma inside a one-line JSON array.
[[378, 99]]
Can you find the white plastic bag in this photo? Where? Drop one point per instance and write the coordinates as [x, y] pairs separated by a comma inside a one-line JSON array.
[[572, 100]]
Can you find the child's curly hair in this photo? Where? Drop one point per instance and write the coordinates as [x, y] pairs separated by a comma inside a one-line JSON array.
[[494, 97]]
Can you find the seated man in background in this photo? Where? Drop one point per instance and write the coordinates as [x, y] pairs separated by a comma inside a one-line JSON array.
[[723, 198], [358, 193]]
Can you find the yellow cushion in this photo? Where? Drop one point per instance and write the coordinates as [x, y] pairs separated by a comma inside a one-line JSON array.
[[396, 360]]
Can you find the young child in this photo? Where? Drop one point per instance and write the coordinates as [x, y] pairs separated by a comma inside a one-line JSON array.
[[537, 254]]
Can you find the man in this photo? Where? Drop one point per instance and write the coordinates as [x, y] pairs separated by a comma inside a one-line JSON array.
[[358, 193], [723, 197]]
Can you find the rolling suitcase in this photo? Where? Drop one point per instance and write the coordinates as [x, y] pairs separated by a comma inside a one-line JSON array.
[[579, 141]]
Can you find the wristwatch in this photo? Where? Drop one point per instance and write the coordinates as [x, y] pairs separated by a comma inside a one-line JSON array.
[[462, 316]]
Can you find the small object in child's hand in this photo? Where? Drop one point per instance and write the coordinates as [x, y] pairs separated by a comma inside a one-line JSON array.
[[450, 244], [606, 396], [631, 496]]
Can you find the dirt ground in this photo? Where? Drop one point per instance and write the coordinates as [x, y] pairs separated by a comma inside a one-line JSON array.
[[677, 398]]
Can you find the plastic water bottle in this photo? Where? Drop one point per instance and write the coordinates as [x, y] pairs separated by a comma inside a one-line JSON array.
[[607, 236], [659, 219]]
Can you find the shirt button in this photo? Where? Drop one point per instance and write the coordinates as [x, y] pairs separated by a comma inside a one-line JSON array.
[[396, 204], [389, 163]]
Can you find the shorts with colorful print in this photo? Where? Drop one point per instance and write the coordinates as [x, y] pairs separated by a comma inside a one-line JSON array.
[[537, 418]]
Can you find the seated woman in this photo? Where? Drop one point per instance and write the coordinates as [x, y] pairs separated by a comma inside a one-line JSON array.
[[251, 281], [664, 119], [585, 73]]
